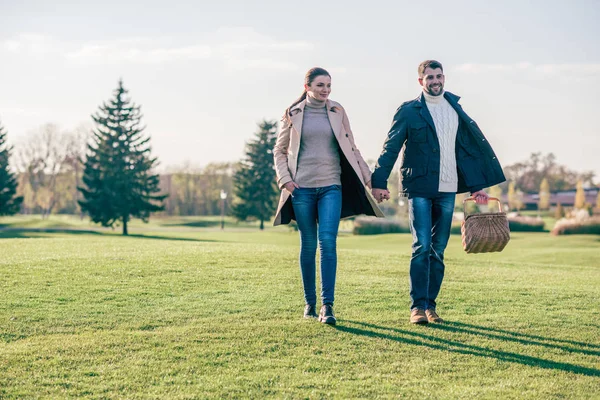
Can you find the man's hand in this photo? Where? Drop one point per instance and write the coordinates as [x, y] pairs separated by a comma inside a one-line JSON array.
[[380, 194], [291, 186], [480, 197]]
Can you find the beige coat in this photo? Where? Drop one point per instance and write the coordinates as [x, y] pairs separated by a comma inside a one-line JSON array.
[[356, 175]]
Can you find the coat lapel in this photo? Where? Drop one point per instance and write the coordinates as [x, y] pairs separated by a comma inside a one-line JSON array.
[[336, 117], [463, 118], [425, 112], [298, 116]]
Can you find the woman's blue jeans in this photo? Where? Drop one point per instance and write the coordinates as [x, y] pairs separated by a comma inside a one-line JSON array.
[[430, 223], [318, 213]]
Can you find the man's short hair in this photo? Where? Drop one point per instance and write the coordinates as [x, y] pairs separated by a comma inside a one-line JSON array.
[[433, 64]]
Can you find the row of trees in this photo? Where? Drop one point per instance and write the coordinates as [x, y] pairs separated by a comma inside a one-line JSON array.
[[48, 167], [111, 175], [196, 191], [529, 175]]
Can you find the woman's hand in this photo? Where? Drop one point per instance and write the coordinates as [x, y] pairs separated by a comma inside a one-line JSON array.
[[291, 186]]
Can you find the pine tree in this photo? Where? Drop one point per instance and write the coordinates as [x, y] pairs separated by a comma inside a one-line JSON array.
[[255, 183], [512, 196], [544, 203], [495, 191], [579, 196], [9, 202], [118, 178]]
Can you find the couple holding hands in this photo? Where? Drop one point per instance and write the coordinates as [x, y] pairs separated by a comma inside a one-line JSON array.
[[324, 178]]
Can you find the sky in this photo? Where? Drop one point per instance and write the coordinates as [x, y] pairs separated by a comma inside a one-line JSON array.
[[206, 72]]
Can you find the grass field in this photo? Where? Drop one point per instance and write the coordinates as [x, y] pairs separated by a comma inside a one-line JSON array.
[[183, 310]]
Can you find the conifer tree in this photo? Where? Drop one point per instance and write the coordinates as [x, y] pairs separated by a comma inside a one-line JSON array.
[[9, 201], [118, 172], [495, 191], [512, 196], [544, 203], [255, 183], [579, 196], [559, 212]]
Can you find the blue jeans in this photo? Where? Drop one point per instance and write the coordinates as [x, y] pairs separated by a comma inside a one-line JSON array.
[[430, 223], [318, 213]]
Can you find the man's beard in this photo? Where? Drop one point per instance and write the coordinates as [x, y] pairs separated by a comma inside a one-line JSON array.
[[432, 93]]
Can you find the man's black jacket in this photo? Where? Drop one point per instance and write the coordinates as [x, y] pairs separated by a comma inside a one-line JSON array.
[[413, 127]]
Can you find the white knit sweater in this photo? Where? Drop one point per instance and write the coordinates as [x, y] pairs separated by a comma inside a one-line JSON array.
[[446, 127]]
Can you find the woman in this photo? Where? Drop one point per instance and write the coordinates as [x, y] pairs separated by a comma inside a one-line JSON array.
[[323, 178]]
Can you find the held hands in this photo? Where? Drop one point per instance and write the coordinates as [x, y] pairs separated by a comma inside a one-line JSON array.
[[380, 194], [480, 197], [291, 186]]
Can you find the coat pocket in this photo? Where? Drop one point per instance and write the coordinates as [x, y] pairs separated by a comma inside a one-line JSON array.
[[411, 173], [418, 132], [472, 171]]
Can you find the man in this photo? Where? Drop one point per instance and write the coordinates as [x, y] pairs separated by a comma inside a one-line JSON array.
[[444, 153]]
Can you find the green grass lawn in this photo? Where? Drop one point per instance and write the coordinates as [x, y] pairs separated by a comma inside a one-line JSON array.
[[181, 311]]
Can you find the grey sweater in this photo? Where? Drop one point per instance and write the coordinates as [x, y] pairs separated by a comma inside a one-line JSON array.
[[318, 158]]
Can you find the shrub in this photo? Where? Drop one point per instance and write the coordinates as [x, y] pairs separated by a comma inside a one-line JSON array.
[[376, 226], [293, 226], [455, 229], [572, 226], [522, 223]]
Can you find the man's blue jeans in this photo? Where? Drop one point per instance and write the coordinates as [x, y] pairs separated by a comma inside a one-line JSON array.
[[318, 213], [430, 223]]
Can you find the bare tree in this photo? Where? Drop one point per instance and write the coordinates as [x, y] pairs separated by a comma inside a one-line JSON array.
[[76, 146], [41, 159]]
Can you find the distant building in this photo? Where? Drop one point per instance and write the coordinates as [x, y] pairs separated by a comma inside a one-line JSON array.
[[565, 198]]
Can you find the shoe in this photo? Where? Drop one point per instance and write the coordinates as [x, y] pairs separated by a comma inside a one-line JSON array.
[[417, 316], [326, 315], [433, 317], [310, 311]]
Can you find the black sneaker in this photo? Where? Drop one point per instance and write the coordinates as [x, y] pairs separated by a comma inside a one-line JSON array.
[[310, 311], [326, 315]]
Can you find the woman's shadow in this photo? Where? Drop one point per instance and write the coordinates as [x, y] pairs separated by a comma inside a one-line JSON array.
[[433, 342]]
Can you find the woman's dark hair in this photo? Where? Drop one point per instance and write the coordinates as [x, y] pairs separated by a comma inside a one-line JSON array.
[[310, 76], [433, 64]]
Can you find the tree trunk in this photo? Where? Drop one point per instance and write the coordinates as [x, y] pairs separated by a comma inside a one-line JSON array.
[[262, 224], [125, 233]]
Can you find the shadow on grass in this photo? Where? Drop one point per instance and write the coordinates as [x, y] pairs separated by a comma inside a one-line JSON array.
[[420, 339], [15, 233], [183, 239], [25, 233], [209, 224], [519, 337], [196, 224]]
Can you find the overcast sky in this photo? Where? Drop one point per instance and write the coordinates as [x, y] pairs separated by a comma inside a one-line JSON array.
[[205, 72]]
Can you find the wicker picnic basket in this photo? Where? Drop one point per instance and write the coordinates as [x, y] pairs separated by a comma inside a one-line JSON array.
[[484, 232]]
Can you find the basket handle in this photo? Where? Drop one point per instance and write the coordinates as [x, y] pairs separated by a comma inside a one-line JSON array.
[[473, 199]]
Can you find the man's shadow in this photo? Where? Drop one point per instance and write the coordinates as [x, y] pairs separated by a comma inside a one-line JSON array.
[[426, 340]]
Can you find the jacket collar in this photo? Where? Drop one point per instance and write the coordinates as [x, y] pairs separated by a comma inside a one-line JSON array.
[[451, 97], [335, 114], [424, 111], [422, 105]]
